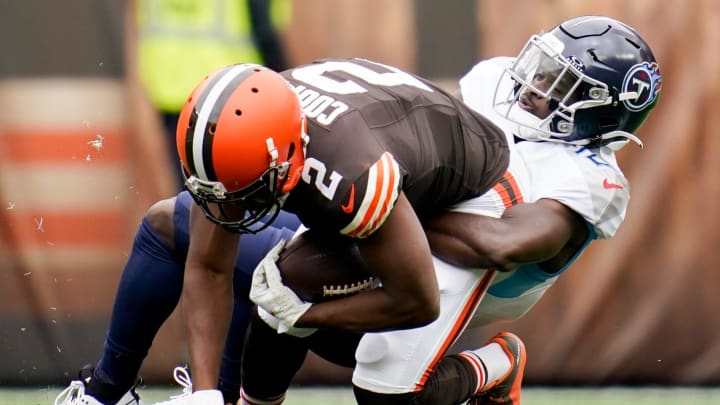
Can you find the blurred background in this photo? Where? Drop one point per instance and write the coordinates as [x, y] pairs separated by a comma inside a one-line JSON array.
[[83, 155]]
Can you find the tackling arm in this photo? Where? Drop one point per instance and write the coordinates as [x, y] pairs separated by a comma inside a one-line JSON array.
[[545, 232]]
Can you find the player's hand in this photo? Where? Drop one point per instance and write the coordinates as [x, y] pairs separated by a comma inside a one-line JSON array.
[[280, 327], [269, 292]]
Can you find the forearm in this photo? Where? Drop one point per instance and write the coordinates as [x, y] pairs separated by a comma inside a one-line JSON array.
[[472, 243], [526, 233], [369, 311], [207, 305]]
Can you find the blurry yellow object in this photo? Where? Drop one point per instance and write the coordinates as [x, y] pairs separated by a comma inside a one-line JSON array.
[[181, 41]]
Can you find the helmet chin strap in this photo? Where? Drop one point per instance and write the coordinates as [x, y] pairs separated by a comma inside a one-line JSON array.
[[272, 151], [528, 128], [628, 95], [623, 138]]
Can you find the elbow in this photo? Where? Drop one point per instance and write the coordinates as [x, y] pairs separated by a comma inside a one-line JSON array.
[[504, 265], [419, 311], [504, 258]]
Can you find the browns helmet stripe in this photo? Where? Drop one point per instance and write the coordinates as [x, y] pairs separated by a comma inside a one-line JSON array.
[[205, 114], [213, 79]]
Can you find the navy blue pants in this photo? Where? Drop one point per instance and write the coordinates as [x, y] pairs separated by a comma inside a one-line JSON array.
[[150, 288]]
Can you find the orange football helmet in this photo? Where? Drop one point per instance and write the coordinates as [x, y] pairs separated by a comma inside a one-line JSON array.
[[241, 139]]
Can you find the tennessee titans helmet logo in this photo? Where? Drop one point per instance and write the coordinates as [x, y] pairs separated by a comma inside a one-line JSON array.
[[576, 63], [645, 79]]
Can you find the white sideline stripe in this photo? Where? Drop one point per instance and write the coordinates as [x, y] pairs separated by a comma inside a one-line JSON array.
[[204, 114], [62, 103]]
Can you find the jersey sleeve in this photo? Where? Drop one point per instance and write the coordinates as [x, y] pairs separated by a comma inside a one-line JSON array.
[[371, 198], [478, 86], [512, 189], [586, 181]]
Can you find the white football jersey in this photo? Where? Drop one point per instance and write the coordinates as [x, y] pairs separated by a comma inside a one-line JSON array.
[[588, 181]]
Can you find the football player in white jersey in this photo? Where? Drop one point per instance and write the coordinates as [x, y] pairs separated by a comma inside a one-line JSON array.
[[569, 100]]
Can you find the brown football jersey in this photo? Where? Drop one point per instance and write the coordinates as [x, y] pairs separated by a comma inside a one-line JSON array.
[[376, 131]]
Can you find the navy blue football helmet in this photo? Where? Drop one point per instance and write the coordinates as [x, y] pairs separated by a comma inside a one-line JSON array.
[[599, 77]]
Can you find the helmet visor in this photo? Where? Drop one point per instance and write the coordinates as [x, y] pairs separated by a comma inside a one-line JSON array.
[[541, 69], [542, 74]]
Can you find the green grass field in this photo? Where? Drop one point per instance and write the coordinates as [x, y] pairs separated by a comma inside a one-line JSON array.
[[343, 396]]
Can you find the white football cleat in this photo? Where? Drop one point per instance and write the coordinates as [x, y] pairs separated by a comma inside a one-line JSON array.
[[182, 377], [75, 394], [188, 397]]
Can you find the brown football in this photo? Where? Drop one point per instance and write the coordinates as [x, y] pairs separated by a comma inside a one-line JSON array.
[[320, 268]]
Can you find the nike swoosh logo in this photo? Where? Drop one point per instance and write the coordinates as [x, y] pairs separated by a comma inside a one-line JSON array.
[[607, 184], [348, 208]]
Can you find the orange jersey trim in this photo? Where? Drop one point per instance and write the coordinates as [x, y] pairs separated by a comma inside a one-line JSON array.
[[508, 190], [379, 199]]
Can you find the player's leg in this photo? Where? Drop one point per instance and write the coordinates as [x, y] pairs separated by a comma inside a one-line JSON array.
[[335, 346], [451, 382], [490, 374], [148, 292], [150, 288], [408, 367], [270, 360]]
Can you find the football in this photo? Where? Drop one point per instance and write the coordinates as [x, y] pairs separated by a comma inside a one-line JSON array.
[[320, 268]]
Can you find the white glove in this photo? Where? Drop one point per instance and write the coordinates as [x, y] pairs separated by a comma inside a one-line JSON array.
[[282, 328], [269, 292]]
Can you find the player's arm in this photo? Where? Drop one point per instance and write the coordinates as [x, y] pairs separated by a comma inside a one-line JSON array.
[[398, 252], [545, 232], [207, 295]]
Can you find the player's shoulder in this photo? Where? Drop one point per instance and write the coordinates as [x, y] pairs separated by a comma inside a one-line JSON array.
[[484, 74], [588, 181], [350, 191], [478, 86], [488, 66]]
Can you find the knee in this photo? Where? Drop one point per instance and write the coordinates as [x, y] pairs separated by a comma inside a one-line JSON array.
[[160, 217]]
